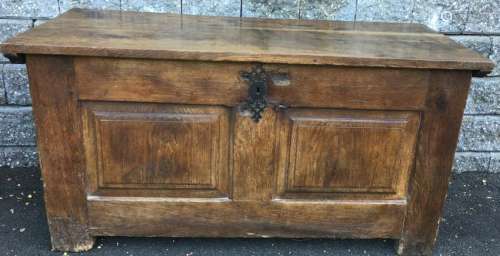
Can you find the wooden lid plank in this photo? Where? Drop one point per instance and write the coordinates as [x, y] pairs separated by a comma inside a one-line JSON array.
[[167, 36]]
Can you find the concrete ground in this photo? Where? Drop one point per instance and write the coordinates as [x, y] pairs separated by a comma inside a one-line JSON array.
[[470, 226]]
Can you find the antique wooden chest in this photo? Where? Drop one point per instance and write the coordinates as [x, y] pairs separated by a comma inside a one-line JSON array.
[[166, 125]]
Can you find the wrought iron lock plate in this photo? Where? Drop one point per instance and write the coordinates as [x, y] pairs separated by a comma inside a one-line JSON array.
[[256, 102]]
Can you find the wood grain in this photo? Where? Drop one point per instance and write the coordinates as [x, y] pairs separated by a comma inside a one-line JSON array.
[[367, 154], [59, 142], [210, 83], [436, 148], [173, 150], [158, 36], [223, 218], [253, 156], [159, 81]]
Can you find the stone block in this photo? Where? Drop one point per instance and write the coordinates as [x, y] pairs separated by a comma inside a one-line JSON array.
[[11, 27], [471, 162], [16, 126], [484, 16], [65, 5], [495, 163], [15, 78], [480, 133], [212, 7], [384, 10], [15, 157], [441, 15], [3, 98], [495, 55], [328, 9], [481, 44], [160, 6], [484, 96], [29, 8], [284, 9]]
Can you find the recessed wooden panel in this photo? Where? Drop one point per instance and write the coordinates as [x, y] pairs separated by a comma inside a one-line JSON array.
[[346, 152], [157, 147]]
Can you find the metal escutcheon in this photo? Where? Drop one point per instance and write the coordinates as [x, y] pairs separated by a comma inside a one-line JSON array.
[[256, 102]]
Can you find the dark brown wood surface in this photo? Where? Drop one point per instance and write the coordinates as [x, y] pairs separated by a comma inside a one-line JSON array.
[[162, 36], [60, 145], [220, 83], [344, 154], [156, 149], [435, 150], [164, 148], [245, 218], [252, 206]]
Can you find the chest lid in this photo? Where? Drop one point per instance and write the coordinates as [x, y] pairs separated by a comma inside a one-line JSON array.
[[167, 36]]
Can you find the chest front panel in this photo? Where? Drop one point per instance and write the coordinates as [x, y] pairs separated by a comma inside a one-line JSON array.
[[176, 137]]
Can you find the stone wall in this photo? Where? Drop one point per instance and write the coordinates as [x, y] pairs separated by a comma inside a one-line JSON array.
[[474, 23]]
